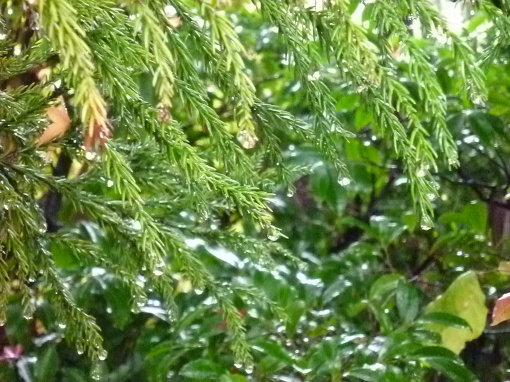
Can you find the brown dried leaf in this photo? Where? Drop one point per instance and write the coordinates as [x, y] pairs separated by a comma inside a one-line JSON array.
[[175, 22], [501, 310], [60, 123], [97, 136]]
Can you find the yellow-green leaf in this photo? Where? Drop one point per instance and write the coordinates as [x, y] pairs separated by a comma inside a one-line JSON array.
[[504, 267], [463, 298]]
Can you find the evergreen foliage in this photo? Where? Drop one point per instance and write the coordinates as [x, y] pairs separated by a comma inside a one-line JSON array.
[[155, 165]]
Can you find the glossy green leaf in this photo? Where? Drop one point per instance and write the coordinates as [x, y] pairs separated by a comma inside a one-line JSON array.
[[233, 378], [74, 375], [452, 369], [445, 361], [364, 374], [408, 301], [272, 349], [202, 369], [47, 365], [443, 318], [384, 286]]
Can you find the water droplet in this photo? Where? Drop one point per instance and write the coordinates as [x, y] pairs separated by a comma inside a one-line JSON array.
[[247, 138], [135, 309], [273, 234], [291, 191], [96, 372], [453, 162], [102, 355], [479, 100], [90, 155], [62, 325], [426, 223], [141, 302], [109, 183], [238, 365], [344, 181], [170, 11], [199, 291], [249, 369], [315, 76], [79, 349]]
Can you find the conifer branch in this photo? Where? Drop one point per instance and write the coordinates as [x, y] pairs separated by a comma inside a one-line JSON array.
[[430, 92], [155, 41], [299, 39], [68, 38]]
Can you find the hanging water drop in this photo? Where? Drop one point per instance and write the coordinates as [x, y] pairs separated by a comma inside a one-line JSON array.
[[170, 11], [141, 302], [62, 325], [291, 190], [315, 76], [238, 365], [344, 181], [453, 162], [90, 155], [96, 373], [102, 355], [135, 309], [426, 223], [247, 138], [422, 171], [273, 234]]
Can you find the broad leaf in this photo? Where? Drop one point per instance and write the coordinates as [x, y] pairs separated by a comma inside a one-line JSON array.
[[408, 301], [463, 298], [444, 319], [444, 361], [364, 374], [202, 369], [384, 286], [47, 365]]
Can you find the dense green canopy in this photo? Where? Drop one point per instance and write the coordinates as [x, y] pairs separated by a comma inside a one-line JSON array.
[[269, 190]]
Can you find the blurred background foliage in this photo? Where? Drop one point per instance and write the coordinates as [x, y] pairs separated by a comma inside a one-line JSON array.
[[351, 292]]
